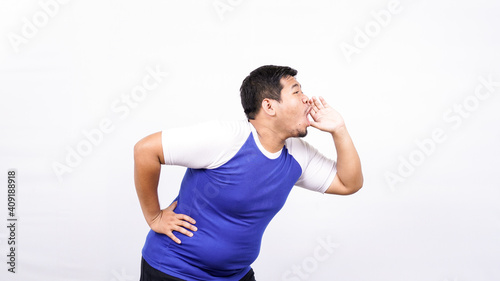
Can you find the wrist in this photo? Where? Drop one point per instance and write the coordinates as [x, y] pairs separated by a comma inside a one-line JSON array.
[[339, 131], [150, 219]]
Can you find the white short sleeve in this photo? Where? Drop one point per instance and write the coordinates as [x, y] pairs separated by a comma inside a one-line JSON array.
[[318, 171], [206, 145]]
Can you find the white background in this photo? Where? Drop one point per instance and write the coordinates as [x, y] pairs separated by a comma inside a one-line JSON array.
[[440, 220]]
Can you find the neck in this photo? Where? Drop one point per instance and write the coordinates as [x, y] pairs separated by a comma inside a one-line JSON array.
[[270, 137]]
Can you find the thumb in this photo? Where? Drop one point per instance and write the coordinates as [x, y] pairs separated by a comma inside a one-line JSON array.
[[172, 206], [313, 122], [316, 125]]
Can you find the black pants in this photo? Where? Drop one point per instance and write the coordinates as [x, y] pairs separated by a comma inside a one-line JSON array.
[[148, 273]]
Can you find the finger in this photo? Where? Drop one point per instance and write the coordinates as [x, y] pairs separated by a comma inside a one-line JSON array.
[[185, 218], [172, 236], [172, 206], [323, 101], [188, 225], [314, 124], [313, 110], [183, 231], [313, 118], [311, 101], [314, 107], [318, 103]]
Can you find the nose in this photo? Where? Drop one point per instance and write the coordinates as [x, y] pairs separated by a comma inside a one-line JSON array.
[[305, 99]]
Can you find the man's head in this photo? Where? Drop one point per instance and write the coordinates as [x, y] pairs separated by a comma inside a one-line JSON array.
[[264, 82], [272, 95]]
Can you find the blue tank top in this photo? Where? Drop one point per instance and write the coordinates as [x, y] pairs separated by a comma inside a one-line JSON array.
[[232, 206]]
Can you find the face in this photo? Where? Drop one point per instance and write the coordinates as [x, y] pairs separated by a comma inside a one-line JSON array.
[[294, 108]]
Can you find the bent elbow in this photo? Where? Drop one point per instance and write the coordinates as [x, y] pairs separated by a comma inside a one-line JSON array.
[[359, 185], [355, 187]]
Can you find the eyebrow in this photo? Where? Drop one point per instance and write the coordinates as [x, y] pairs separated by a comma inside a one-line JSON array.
[[295, 85]]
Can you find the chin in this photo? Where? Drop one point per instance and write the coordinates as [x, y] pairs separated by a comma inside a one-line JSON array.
[[302, 133]]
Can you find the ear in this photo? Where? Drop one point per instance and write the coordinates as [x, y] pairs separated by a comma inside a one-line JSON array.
[[268, 107]]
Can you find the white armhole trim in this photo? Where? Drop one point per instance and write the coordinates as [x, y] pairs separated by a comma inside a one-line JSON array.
[[318, 171]]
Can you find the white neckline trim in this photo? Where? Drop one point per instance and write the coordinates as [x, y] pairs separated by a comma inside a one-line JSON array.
[[266, 153]]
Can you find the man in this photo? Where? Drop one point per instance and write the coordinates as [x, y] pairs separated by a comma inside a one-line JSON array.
[[239, 176]]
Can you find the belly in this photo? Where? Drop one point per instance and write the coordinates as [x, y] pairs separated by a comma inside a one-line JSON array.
[[222, 244]]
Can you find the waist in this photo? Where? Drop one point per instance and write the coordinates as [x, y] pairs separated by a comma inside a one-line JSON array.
[[204, 255]]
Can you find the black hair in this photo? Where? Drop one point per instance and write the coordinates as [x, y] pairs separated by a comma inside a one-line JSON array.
[[264, 82]]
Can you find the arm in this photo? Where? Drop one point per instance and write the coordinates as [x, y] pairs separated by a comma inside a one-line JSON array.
[[148, 157], [349, 177]]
